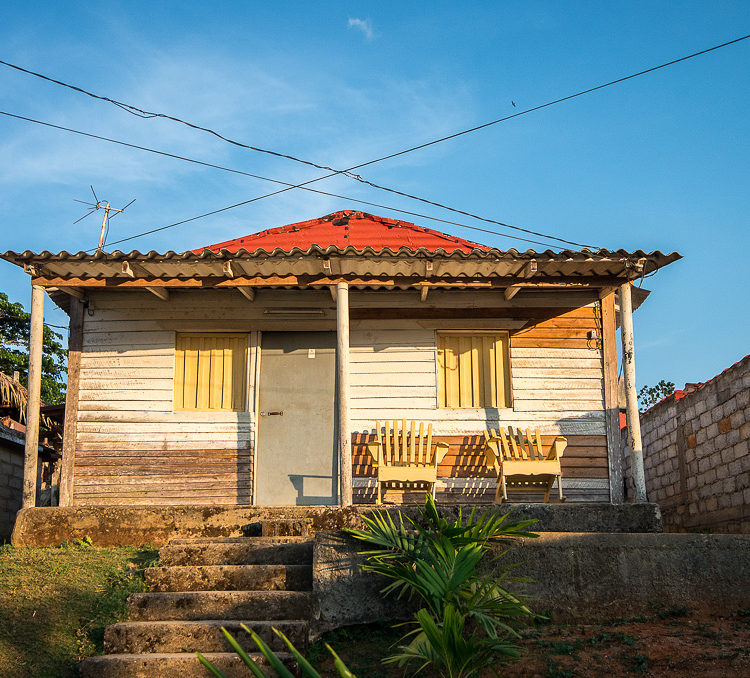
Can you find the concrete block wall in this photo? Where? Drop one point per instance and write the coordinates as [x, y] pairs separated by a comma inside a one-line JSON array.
[[11, 486], [696, 455]]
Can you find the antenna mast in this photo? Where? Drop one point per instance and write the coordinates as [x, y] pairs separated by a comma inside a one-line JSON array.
[[102, 205]]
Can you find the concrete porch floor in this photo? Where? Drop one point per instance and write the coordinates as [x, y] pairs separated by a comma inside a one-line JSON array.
[[157, 525]]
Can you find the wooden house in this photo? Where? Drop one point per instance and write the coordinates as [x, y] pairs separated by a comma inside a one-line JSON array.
[[253, 371]]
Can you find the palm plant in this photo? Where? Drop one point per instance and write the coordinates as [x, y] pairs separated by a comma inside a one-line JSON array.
[[469, 617], [446, 645], [306, 669]]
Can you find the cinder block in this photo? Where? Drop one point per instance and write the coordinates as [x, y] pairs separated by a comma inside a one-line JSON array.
[[725, 501]]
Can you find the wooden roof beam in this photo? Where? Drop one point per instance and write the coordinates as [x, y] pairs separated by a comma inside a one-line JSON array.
[[528, 270], [76, 292], [161, 292], [512, 291], [227, 269], [132, 269], [247, 292]]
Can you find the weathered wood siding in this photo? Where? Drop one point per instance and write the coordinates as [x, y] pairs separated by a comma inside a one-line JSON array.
[[557, 386], [133, 448]]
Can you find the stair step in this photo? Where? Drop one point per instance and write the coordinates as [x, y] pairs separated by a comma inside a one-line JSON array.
[[229, 578], [248, 551], [237, 540], [171, 665], [199, 636], [285, 528], [197, 605]]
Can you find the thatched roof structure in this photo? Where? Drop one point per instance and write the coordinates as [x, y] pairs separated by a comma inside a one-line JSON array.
[[13, 394]]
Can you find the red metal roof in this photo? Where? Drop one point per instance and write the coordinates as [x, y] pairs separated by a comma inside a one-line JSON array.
[[348, 228]]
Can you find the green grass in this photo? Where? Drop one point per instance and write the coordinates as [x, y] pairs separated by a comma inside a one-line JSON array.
[[56, 602]]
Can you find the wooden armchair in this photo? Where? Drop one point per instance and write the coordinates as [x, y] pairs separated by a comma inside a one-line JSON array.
[[520, 463], [406, 457]]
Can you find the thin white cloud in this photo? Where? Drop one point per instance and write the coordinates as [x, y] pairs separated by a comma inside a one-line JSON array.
[[364, 25]]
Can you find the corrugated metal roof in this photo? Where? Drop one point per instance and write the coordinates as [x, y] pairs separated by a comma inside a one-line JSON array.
[[359, 244], [348, 229]]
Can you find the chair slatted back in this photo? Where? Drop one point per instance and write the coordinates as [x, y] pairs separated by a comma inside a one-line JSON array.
[[403, 445], [517, 444]]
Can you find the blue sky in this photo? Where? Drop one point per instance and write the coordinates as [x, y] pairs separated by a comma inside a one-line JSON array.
[[659, 162]]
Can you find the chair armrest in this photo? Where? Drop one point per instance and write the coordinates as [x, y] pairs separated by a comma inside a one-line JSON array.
[[558, 447], [441, 449], [374, 450]]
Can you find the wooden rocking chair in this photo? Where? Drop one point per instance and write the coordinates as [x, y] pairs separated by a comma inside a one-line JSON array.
[[406, 457], [520, 463]]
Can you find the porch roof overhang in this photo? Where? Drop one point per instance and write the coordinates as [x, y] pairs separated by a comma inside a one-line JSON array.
[[321, 267]]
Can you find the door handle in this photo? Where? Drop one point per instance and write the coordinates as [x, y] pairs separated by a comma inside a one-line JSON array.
[[273, 413]]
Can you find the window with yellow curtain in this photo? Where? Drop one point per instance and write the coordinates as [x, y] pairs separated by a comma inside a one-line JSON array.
[[210, 372], [474, 369]]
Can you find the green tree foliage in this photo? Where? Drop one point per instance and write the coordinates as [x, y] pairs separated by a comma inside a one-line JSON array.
[[15, 327], [650, 395]]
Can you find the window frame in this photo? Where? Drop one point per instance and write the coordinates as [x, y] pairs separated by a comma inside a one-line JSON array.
[[508, 372], [242, 371]]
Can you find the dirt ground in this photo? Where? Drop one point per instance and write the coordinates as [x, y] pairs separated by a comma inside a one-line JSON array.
[[675, 643]]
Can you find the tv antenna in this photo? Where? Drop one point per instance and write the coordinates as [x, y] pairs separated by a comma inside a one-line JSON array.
[[102, 205]]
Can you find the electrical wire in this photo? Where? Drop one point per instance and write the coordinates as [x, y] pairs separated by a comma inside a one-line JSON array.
[[348, 172], [257, 176]]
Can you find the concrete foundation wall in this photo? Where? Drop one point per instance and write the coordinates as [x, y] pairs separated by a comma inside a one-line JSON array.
[[696, 449], [131, 525], [575, 576], [11, 484]]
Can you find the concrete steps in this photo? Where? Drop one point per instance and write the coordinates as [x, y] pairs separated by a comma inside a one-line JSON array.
[[198, 636], [171, 665], [242, 551], [229, 578], [195, 605], [200, 586]]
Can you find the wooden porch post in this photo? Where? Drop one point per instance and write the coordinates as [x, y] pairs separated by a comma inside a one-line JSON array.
[[75, 340], [611, 398], [342, 353], [628, 368], [33, 401]]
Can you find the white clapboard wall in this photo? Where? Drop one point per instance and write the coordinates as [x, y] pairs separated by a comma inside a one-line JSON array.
[[132, 447]]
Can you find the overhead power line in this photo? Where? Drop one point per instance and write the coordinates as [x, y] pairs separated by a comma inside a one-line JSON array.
[[348, 172], [333, 172], [262, 178]]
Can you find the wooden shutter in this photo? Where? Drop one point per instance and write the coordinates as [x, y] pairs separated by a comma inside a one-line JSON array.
[[210, 372], [474, 370]]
